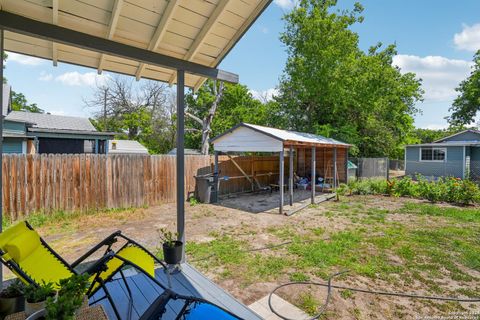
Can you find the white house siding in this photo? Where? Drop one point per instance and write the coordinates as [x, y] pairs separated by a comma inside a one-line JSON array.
[[245, 139]]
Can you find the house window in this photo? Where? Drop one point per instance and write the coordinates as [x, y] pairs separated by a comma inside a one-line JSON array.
[[433, 154]]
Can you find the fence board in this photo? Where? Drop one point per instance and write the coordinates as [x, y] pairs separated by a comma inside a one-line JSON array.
[[46, 183]]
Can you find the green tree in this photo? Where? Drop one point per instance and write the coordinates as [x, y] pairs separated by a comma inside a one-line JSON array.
[[331, 87], [466, 106], [236, 105]]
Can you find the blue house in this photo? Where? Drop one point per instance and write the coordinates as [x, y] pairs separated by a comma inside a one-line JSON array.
[[30, 133], [457, 156]]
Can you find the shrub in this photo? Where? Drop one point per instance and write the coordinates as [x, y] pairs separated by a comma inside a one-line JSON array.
[[35, 293], [454, 190]]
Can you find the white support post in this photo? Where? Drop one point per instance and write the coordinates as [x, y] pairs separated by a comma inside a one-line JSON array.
[[181, 159], [290, 175], [314, 164], [334, 167], [281, 178]]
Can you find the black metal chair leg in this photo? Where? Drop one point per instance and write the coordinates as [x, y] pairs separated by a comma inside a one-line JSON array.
[[109, 297], [130, 302]]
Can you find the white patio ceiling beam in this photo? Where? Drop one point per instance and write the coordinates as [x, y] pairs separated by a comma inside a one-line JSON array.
[[159, 33], [117, 8], [262, 5], [55, 22], [47, 31], [200, 38]]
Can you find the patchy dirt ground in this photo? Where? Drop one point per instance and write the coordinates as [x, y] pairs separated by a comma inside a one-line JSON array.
[[374, 218]]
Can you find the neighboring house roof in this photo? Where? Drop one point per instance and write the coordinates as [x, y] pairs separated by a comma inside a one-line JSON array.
[[51, 121], [6, 90], [126, 146], [476, 132], [191, 152], [285, 135]]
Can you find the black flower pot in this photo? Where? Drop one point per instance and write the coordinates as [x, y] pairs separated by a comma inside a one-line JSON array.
[[172, 252]]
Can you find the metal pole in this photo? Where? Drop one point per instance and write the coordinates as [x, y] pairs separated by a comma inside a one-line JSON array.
[[290, 176], [280, 182], [105, 111], [181, 159], [216, 180], [335, 168], [1, 146], [314, 164]]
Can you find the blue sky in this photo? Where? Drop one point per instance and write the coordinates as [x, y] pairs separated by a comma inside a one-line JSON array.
[[435, 38]]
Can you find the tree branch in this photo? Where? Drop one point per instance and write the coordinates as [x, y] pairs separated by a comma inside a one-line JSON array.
[[197, 119]]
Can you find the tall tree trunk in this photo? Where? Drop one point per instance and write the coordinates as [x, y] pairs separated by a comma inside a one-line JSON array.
[[207, 121]]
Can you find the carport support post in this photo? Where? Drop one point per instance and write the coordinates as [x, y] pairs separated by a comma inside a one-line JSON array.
[[181, 159], [1, 145], [281, 177], [312, 180], [335, 167], [215, 178], [290, 175]]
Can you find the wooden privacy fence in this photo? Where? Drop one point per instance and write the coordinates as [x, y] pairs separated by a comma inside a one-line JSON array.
[[48, 183]]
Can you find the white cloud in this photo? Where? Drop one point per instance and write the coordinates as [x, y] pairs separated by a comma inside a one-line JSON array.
[[24, 60], [44, 76], [264, 30], [286, 4], [436, 126], [440, 75], [468, 39], [81, 79], [264, 96]]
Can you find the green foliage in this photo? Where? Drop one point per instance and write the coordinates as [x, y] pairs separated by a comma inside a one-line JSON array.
[[69, 298], [454, 190], [20, 103], [168, 237], [333, 88], [35, 293], [15, 289], [466, 106]]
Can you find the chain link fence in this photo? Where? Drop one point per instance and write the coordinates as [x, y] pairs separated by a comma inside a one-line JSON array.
[[473, 170], [371, 167]]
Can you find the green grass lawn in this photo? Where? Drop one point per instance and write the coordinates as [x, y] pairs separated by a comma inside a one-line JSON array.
[[415, 245]]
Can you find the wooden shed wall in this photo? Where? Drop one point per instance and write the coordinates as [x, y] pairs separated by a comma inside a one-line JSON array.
[[324, 160]]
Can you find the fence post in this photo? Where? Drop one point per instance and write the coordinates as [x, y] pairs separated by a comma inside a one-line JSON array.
[[388, 168]]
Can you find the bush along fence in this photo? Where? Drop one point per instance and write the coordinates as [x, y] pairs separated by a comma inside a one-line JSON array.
[[80, 183], [450, 189]]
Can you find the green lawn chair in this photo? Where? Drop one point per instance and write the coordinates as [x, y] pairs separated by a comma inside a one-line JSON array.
[[28, 256]]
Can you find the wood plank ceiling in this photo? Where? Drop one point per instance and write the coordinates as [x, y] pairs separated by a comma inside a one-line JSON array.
[[201, 31]]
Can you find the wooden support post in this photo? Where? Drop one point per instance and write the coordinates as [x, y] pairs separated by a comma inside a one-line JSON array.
[[290, 175], [313, 174], [281, 178]]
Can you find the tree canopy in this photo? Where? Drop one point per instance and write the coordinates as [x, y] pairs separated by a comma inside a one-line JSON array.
[[331, 87], [466, 106]]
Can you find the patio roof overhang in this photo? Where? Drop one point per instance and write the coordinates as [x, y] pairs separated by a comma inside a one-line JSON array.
[[175, 41]]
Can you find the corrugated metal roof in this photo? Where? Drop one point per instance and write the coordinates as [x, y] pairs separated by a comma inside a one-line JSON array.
[[50, 121], [6, 98], [126, 146], [446, 144], [286, 135], [198, 31]]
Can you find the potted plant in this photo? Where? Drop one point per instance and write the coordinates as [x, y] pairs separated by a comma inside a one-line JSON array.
[[172, 248], [69, 298], [11, 298], [36, 297]]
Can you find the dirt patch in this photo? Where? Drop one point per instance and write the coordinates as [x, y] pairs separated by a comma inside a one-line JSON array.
[[205, 223]]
